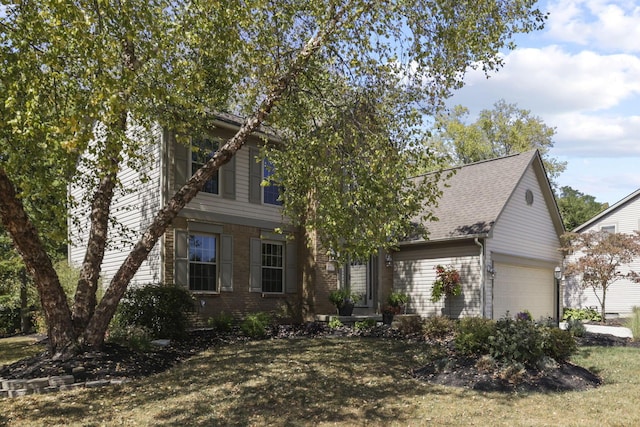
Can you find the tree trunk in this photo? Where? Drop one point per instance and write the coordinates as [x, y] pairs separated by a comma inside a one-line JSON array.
[[37, 261], [25, 323], [602, 306], [308, 294], [85, 297]]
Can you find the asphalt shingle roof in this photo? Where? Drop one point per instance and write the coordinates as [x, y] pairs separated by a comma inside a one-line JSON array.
[[476, 195]]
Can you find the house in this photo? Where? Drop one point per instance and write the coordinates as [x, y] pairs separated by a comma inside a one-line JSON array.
[[223, 246], [623, 295], [500, 227]]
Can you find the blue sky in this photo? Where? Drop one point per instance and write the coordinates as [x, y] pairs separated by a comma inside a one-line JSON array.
[[581, 75]]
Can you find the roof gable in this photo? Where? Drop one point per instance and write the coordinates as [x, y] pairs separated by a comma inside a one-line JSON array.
[[609, 211], [474, 198]]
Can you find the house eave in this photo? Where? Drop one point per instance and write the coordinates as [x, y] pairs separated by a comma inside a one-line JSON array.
[[444, 239]]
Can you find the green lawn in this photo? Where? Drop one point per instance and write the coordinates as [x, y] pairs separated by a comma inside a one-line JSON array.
[[330, 381], [18, 347]]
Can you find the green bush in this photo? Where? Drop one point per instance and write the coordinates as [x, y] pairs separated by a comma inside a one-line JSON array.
[[576, 328], [137, 338], [9, 320], [590, 314], [557, 344], [437, 327], [223, 322], [335, 323], [255, 325], [472, 335], [162, 310], [516, 341], [365, 324], [633, 323]]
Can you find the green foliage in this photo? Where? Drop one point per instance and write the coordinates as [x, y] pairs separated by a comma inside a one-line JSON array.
[[397, 299], [339, 297], [335, 323], [558, 344], [516, 341], [365, 324], [9, 320], [633, 323], [223, 322], [255, 325], [576, 327], [472, 335], [577, 208], [588, 313], [135, 337], [162, 310], [437, 327], [502, 131], [447, 283]]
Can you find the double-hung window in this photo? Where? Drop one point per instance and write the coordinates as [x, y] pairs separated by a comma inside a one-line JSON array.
[[271, 191], [273, 267], [202, 149], [203, 262]]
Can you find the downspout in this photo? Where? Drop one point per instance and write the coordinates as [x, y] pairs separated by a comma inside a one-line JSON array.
[[482, 277]]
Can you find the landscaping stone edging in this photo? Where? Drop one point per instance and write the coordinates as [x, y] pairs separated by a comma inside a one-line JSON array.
[[18, 387]]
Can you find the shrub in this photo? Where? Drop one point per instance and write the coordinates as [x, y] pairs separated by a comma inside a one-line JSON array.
[[137, 338], [9, 320], [558, 344], [576, 327], [163, 310], [437, 327], [365, 324], [590, 314], [633, 323], [223, 322], [472, 335], [335, 323], [255, 325], [516, 341]]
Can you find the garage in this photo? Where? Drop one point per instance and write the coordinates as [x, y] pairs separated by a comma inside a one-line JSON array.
[[518, 288]]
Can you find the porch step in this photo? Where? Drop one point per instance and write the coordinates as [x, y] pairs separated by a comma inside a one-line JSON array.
[[348, 320]]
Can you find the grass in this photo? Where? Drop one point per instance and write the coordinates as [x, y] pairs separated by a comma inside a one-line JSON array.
[[340, 381], [18, 347]]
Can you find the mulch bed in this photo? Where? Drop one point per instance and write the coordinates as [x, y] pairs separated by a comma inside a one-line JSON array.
[[118, 362]]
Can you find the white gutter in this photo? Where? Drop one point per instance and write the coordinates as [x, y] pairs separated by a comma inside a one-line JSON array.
[[482, 277]]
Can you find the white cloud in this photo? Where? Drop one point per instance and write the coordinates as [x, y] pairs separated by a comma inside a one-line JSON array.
[[599, 24]]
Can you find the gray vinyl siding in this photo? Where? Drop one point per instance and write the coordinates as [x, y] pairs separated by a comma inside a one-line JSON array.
[[414, 274], [134, 205], [623, 294], [215, 205], [526, 230]]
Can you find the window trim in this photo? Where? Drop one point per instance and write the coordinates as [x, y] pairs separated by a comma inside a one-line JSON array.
[[218, 175], [217, 262], [603, 226], [282, 268]]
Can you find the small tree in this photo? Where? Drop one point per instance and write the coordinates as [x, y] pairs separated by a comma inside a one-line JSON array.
[[601, 258]]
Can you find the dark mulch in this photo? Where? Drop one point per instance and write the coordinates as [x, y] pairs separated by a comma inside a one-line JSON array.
[[118, 362]]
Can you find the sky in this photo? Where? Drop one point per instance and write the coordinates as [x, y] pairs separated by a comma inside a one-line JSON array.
[[580, 75]]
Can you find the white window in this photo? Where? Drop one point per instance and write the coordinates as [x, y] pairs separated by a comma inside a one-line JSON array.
[[203, 262], [202, 149], [608, 228], [273, 267]]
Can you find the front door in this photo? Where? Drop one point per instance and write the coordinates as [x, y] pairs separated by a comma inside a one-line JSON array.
[[360, 278]]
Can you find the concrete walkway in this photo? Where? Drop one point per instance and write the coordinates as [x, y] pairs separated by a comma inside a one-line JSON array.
[[617, 331]]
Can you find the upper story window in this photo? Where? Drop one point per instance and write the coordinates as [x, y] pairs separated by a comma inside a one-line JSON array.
[[608, 228], [202, 149], [271, 192]]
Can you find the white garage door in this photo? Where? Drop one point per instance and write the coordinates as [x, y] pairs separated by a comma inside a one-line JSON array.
[[518, 288]]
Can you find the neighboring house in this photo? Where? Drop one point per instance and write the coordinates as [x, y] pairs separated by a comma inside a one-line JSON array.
[[222, 246], [500, 227], [623, 295]]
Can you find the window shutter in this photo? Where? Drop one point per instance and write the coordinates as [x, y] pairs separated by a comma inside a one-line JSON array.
[[181, 263], [255, 265], [226, 263], [229, 179], [181, 165], [291, 272], [255, 176]]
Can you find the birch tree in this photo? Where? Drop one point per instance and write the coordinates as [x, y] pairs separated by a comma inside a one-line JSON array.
[[82, 71]]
